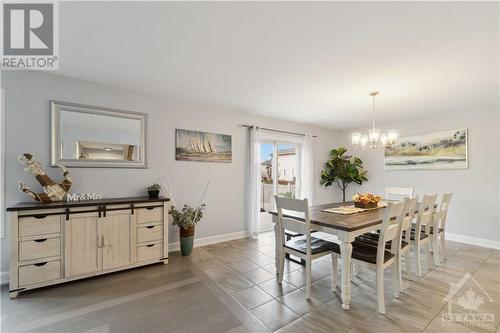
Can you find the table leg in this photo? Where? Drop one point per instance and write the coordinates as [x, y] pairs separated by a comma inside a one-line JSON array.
[[345, 254]]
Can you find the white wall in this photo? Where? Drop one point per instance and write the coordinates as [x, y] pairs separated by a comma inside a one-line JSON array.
[[27, 96], [474, 210]]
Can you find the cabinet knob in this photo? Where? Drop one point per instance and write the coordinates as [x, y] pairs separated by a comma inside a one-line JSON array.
[[40, 240]]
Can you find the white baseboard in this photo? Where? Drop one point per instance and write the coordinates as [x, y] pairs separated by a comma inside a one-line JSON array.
[[173, 247], [474, 241]]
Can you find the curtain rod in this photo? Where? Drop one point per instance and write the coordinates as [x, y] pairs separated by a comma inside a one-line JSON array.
[[275, 130]]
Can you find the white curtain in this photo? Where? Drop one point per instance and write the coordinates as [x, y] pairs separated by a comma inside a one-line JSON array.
[[255, 182], [306, 168]]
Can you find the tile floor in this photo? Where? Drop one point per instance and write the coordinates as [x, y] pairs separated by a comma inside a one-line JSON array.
[[232, 287]]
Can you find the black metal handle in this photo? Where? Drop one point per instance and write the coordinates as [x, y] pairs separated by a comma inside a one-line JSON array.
[[150, 245], [40, 216], [150, 208], [67, 214], [41, 264], [99, 211], [132, 209], [40, 240], [150, 226]]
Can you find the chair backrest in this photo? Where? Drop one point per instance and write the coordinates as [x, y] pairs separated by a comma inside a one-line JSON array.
[[440, 216], [293, 224], [398, 193], [409, 214], [425, 215], [391, 225]]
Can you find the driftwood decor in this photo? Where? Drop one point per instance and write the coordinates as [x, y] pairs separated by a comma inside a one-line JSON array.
[[52, 191]]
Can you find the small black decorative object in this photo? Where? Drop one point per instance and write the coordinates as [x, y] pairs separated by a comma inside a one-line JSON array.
[[154, 191]]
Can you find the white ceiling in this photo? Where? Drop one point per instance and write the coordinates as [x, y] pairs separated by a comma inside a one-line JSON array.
[[307, 62]]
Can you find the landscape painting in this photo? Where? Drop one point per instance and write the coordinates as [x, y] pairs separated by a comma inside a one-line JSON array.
[[438, 150], [202, 146]]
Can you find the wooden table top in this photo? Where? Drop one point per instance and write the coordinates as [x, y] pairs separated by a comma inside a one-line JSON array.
[[350, 222]]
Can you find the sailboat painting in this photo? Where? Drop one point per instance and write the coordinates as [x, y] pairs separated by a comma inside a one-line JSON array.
[[202, 146]]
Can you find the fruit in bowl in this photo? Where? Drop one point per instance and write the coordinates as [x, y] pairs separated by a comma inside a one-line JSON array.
[[366, 200]]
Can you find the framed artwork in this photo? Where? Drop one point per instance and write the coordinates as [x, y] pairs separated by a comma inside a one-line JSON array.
[[437, 150], [202, 146]]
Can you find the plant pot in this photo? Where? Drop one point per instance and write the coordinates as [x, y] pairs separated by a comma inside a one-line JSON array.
[[366, 206], [153, 194], [186, 240]]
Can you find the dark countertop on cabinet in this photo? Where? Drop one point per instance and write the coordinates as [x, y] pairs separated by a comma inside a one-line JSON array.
[[34, 205]]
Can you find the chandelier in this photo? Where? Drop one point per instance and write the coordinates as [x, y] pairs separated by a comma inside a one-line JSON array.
[[374, 139]]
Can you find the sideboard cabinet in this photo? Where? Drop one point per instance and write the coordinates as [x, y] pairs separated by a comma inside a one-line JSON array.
[[65, 241]]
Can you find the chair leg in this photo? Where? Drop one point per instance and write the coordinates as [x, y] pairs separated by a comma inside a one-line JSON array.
[[443, 246], [334, 272], [397, 281], [399, 275], [435, 247], [281, 267], [408, 265], [417, 256], [380, 289], [430, 262], [308, 278]]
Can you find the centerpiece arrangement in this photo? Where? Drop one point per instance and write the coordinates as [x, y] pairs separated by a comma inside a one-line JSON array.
[[366, 200]]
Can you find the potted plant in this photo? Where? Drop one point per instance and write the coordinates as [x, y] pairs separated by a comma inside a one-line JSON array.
[[343, 169], [154, 191], [186, 218]]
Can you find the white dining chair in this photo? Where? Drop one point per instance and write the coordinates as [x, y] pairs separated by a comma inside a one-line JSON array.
[[403, 240], [398, 193], [420, 231], [439, 224], [305, 247], [378, 257]]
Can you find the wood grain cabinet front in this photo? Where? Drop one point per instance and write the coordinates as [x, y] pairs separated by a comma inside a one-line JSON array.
[[40, 224], [83, 249], [39, 272], [58, 242], [39, 248]]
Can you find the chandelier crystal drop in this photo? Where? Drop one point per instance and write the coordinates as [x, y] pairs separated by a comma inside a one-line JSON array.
[[375, 138]]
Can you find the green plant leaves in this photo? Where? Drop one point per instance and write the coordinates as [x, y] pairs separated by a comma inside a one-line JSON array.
[[343, 169], [186, 216]]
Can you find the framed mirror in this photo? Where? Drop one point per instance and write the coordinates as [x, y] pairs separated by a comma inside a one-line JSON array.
[[95, 137]]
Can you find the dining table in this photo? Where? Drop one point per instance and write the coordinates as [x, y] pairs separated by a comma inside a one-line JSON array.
[[345, 227]]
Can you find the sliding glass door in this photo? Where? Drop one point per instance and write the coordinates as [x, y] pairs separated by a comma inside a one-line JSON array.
[[280, 165]]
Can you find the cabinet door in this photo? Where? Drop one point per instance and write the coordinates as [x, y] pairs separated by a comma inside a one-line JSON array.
[[81, 243], [118, 232]]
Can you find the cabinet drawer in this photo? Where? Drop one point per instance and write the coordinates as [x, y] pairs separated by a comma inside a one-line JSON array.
[[39, 225], [149, 252], [146, 215], [41, 272], [149, 233], [39, 248]]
